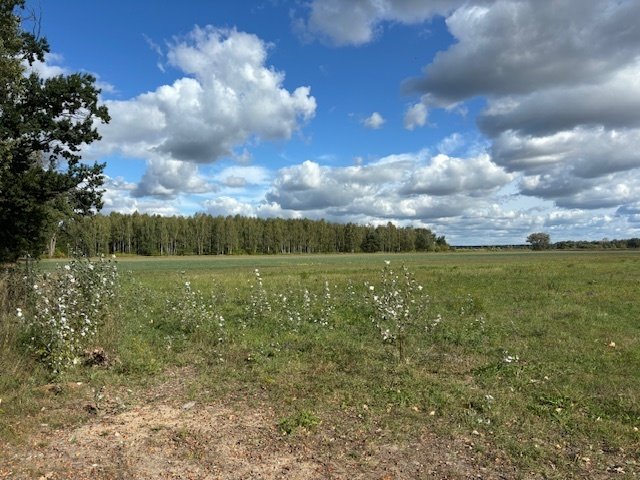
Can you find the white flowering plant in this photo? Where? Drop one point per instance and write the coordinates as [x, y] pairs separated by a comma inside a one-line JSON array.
[[399, 303], [192, 310], [294, 306], [258, 306], [66, 308]]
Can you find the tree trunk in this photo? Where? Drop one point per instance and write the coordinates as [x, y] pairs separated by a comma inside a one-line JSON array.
[[52, 244]]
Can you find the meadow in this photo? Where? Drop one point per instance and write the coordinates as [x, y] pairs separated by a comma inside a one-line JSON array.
[[527, 362]]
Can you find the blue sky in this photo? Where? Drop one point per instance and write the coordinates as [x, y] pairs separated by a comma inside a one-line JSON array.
[[482, 120]]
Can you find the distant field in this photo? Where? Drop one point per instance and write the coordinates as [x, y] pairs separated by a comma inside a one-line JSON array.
[[532, 368], [204, 262]]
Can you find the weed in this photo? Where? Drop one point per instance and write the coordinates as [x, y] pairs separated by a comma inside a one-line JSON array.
[[302, 419], [66, 308], [399, 303], [258, 306], [192, 310]]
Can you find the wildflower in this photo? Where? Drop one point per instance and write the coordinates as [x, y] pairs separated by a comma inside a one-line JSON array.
[[19, 312], [510, 358]]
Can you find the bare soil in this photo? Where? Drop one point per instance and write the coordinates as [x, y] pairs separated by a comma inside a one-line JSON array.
[[161, 434]]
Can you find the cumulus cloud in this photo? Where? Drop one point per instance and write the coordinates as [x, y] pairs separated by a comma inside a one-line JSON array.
[[408, 187], [612, 104], [446, 175], [228, 97], [585, 152], [415, 116], [630, 212], [358, 21], [53, 66], [118, 198], [451, 143], [229, 206], [562, 94], [570, 191], [49, 68], [374, 121], [238, 176], [466, 198], [167, 178], [566, 43]]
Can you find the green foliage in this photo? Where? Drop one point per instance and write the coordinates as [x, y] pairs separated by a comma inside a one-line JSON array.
[[539, 241], [538, 377], [192, 310], [399, 305], [371, 242], [204, 234], [65, 310], [302, 419], [43, 124]]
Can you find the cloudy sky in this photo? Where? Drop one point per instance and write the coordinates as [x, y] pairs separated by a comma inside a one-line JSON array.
[[482, 120]]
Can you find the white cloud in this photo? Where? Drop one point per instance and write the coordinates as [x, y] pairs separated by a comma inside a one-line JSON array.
[[587, 152], [374, 121], [566, 44], [306, 176], [228, 98], [358, 21], [631, 213], [51, 67], [240, 176], [118, 198], [408, 186], [415, 116], [168, 178], [229, 206], [562, 94], [446, 175], [451, 143]]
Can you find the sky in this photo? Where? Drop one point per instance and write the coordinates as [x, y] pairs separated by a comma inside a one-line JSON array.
[[482, 120]]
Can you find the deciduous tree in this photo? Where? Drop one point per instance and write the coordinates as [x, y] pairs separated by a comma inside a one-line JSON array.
[[43, 124], [539, 241]]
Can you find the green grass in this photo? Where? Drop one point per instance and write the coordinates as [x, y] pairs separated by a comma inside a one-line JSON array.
[[569, 394]]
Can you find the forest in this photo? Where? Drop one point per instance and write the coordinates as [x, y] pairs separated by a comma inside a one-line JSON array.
[[203, 234]]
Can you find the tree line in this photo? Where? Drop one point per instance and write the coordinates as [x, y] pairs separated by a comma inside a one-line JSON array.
[[542, 241], [605, 243], [203, 234]]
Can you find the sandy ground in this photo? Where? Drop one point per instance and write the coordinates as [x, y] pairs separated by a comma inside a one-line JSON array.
[[159, 434]]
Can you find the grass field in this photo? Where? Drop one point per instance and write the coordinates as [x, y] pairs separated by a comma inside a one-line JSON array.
[[529, 363]]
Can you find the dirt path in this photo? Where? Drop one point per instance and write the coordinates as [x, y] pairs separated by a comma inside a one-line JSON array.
[[162, 436]]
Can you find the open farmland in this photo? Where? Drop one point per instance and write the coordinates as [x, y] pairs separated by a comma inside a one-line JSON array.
[[519, 365]]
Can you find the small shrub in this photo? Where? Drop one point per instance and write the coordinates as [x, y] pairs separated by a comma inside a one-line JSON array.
[[399, 303], [192, 310], [65, 309], [258, 306]]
